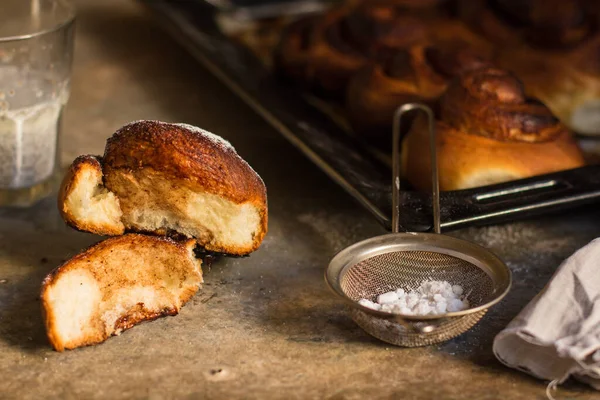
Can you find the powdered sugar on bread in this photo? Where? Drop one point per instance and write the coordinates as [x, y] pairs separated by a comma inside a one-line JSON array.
[[214, 139]]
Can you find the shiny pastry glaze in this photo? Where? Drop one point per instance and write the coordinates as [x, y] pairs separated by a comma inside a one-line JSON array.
[[491, 102]]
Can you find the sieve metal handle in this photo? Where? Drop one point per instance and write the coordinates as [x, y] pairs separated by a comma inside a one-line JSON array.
[[400, 112]]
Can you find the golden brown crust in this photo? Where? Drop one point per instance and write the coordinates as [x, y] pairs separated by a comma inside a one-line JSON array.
[[489, 133], [491, 102], [188, 154], [191, 158], [166, 179], [467, 161], [69, 183], [137, 243]]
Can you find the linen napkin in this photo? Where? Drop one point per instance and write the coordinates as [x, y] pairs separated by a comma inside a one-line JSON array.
[[557, 335]]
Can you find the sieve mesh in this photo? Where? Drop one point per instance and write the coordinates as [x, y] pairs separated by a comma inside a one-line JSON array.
[[408, 269], [398, 334]]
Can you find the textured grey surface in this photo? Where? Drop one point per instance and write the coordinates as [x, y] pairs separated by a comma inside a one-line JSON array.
[[263, 326]]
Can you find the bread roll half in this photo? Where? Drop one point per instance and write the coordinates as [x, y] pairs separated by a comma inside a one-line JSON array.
[[166, 178], [115, 285]]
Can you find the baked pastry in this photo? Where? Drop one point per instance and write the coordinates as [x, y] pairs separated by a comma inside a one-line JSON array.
[[571, 91], [418, 74], [115, 285], [488, 132], [168, 179], [324, 52], [552, 45]]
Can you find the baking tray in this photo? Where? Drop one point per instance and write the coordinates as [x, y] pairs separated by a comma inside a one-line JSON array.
[[344, 158]]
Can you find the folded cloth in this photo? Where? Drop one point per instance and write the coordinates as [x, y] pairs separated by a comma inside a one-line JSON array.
[[557, 334]]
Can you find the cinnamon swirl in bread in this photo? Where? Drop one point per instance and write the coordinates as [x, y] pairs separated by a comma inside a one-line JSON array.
[[489, 132], [418, 74], [164, 179]]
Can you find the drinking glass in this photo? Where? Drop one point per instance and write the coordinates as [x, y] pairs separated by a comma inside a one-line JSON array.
[[36, 52]]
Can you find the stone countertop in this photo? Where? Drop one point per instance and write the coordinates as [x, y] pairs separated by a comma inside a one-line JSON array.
[[264, 326]]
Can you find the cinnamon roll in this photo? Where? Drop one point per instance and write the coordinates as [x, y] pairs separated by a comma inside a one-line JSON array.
[[553, 46], [418, 74], [326, 51], [488, 132]]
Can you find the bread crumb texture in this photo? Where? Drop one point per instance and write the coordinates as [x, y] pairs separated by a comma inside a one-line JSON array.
[[115, 285]]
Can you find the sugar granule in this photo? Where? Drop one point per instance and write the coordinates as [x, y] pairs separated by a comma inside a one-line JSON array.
[[430, 298]]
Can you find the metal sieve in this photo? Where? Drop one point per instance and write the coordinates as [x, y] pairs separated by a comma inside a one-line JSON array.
[[404, 260]]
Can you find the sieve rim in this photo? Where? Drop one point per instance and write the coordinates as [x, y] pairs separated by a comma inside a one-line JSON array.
[[469, 251]]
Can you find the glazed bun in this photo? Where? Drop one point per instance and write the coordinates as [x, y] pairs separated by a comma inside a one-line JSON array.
[[324, 52], [168, 179], [489, 132], [552, 46]]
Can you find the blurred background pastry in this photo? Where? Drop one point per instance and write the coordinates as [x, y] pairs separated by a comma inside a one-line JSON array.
[[376, 55], [488, 132], [420, 73], [324, 52], [553, 46]]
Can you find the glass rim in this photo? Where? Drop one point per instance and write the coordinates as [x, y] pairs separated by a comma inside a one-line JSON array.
[[69, 19]]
